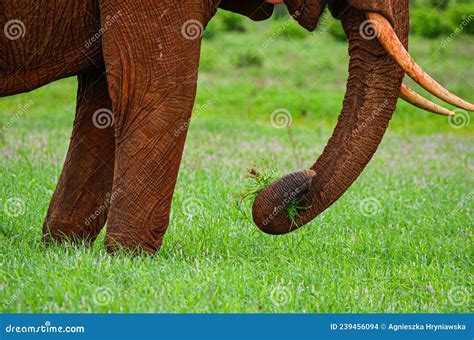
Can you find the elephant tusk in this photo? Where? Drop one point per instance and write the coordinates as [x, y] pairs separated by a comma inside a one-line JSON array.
[[410, 96], [389, 40]]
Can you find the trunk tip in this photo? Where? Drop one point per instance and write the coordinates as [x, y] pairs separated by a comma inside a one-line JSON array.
[[276, 208]]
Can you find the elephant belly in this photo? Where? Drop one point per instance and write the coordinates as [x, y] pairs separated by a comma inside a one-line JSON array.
[[46, 40]]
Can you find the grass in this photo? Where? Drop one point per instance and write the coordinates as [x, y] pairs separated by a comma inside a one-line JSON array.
[[400, 239]]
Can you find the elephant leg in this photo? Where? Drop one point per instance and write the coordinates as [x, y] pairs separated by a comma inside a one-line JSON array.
[[152, 58], [79, 205]]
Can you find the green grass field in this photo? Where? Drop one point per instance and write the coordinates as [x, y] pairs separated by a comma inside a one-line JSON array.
[[400, 239]]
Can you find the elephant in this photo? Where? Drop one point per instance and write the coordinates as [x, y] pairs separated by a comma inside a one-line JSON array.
[[137, 67]]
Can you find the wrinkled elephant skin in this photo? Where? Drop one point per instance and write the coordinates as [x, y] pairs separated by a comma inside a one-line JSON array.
[[137, 66]]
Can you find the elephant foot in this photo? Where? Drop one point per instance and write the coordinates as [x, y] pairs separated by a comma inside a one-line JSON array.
[[78, 215], [124, 237], [68, 231], [135, 232], [115, 242]]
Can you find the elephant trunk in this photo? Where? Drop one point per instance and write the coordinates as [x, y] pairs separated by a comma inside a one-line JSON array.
[[373, 88]]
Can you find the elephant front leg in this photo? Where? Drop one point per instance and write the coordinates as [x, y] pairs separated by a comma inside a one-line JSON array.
[[148, 157], [152, 57], [79, 205]]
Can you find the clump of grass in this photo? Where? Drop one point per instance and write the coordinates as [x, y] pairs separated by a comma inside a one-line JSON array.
[[257, 181], [292, 210]]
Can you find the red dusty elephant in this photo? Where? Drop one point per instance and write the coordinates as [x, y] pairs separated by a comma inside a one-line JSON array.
[[137, 66]]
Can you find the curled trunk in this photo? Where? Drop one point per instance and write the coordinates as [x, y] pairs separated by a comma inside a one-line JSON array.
[[372, 91]]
